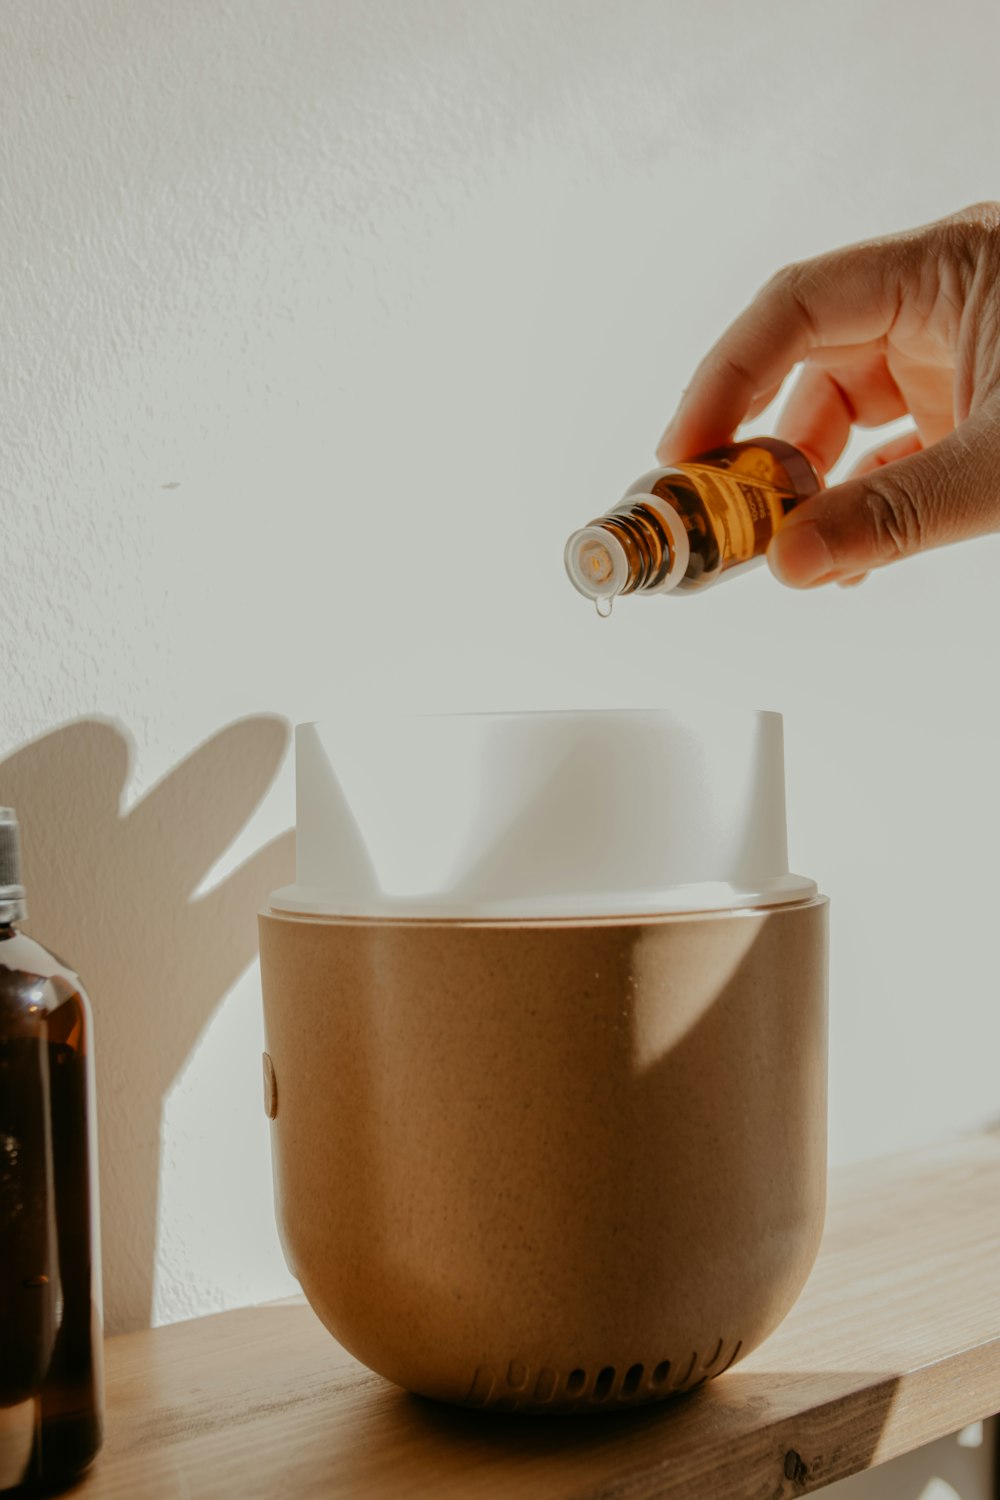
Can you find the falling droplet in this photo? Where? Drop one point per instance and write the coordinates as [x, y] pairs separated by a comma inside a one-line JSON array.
[[604, 607]]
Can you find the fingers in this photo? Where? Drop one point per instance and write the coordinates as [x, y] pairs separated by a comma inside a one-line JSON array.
[[828, 400], [888, 453], [877, 458], [759, 402], [929, 387], [847, 297], [941, 494]]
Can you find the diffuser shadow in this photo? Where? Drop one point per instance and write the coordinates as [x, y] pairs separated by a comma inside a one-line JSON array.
[[742, 1436], [113, 891]]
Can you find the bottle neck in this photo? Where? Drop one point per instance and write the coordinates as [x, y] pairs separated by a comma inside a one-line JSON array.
[[645, 543]]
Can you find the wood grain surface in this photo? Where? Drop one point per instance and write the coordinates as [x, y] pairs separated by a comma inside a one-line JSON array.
[[895, 1341]]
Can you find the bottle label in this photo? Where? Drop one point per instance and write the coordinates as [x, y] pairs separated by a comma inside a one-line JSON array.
[[746, 511]]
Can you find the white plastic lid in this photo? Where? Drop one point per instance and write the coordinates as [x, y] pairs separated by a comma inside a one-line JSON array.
[[541, 815]]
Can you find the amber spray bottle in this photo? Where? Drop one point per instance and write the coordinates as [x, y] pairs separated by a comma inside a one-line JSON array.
[[51, 1397], [684, 527]]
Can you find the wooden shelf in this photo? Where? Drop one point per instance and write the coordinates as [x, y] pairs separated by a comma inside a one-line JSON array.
[[894, 1342]]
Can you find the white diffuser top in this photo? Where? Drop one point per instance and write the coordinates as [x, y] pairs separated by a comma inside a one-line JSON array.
[[541, 815]]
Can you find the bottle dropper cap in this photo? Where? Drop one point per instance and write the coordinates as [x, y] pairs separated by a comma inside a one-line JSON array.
[[12, 892], [596, 562]]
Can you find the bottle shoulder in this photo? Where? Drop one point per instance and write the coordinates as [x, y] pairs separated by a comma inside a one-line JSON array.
[[38, 991], [24, 954]]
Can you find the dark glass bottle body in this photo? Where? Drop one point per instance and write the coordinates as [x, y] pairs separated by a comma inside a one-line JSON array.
[[732, 501], [51, 1392], [684, 527]]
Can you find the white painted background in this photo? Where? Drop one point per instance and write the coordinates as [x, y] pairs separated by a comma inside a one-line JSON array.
[[322, 324]]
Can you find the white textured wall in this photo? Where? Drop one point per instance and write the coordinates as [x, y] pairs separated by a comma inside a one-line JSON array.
[[321, 325]]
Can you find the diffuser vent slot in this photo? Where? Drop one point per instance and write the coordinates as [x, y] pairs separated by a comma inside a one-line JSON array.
[[518, 1385]]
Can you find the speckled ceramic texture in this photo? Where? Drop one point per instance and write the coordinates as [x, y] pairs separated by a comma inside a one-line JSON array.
[[549, 1166]]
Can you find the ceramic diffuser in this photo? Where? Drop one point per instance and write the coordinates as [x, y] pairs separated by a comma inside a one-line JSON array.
[[546, 1051]]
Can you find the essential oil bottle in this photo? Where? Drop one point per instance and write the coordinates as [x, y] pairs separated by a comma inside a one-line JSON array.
[[684, 527], [51, 1398]]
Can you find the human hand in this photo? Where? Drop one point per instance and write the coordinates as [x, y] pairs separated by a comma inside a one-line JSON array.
[[908, 325]]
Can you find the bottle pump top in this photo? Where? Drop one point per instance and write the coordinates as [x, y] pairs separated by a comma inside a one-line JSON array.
[[12, 893]]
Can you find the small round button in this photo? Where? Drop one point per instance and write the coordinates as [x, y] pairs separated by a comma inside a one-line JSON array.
[[270, 1089]]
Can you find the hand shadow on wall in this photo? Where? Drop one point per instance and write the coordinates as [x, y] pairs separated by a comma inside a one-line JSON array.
[[111, 891]]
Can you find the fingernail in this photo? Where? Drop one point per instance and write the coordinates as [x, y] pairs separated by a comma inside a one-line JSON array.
[[799, 556]]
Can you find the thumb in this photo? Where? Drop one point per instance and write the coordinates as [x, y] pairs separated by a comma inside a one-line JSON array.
[[946, 493]]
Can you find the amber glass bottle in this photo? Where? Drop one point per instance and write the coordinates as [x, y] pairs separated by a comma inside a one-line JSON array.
[[50, 1299], [684, 527]]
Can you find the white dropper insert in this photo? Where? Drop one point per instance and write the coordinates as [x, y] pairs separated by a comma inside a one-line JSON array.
[[596, 563]]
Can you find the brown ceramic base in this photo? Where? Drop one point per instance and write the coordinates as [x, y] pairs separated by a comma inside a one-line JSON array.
[[549, 1166]]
